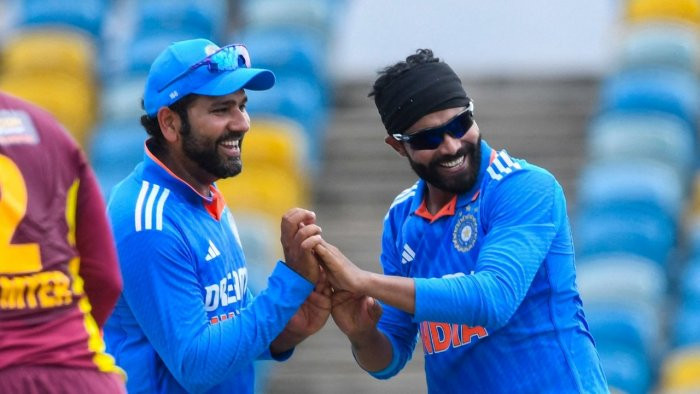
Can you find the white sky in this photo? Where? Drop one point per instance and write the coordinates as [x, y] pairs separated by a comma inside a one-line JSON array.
[[481, 37]]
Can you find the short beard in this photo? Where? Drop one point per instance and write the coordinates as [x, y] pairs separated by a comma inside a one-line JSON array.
[[208, 158], [458, 184]]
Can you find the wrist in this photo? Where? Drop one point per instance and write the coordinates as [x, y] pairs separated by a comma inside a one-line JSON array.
[[285, 341], [365, 283], [364, 339]]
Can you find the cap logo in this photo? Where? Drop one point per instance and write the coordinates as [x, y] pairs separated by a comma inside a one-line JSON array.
[[173, 94]]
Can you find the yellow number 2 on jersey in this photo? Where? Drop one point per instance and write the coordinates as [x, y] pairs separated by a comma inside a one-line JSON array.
[[14, 258]]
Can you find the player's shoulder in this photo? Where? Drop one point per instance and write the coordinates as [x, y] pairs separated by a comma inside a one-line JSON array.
[[137, 204], [405, 197], [400, 206], [506, 174]]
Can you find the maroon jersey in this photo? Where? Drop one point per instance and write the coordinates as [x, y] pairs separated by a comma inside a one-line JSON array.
[[59, 277]]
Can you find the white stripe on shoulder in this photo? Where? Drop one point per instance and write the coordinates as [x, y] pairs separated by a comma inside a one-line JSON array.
[[154, 205], [502, 165], [404, 195], [139, 205], [159, 208], [148, 218]]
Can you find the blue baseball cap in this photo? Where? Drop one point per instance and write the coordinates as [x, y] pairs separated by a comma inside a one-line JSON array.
[[199, 66]]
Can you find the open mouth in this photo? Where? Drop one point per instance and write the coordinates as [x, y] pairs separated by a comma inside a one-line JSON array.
[[231, 146], [452, 163]]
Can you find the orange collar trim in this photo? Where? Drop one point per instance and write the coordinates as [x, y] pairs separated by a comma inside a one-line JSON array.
[[447, 210], [214, 205]]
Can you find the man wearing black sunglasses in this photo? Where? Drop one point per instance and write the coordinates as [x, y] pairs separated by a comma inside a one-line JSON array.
[[477, 256]]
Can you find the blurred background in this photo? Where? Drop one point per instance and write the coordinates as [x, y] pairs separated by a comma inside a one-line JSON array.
[[603, 93]]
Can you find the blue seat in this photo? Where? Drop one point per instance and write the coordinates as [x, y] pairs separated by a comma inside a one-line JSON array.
[[86, 15], [316, 13], [626, 370], [143, 50], [686, 324], [632, 181], [631, 228], [298, 49], [660, 44], [654, 89], [121, 98], [628, 341], [191, 18], [598, 279], [116, 148], [643, 135]]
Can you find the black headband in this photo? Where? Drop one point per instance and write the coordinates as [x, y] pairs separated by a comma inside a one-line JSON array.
[[423, 89]]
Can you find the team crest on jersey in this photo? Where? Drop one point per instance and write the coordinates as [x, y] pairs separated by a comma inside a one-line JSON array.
[[464, 233]]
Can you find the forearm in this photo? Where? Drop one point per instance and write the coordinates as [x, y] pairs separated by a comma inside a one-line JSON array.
[[285, 342], [373, 351], [397, 291]]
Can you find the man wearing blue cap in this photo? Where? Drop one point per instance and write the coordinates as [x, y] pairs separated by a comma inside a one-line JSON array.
[[186, 321]]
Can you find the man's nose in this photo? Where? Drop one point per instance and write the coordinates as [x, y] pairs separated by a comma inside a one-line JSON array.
[[450, 144]]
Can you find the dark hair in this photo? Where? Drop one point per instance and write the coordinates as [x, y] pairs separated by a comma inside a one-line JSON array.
[[150, 123], [388, 74]]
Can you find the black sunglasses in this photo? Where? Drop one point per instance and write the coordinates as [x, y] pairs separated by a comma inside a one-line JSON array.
[[432, 137]]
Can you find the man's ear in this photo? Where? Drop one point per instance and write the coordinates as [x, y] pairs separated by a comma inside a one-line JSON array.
[[397, 145], [170, 124]]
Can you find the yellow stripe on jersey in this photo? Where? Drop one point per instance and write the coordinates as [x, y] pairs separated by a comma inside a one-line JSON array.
[[96, 345]]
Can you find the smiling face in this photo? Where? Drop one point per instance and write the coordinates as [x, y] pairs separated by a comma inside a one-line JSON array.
[[453, 166], [213, 135]]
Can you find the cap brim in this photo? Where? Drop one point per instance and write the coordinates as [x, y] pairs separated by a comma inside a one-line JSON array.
[[242, 78]]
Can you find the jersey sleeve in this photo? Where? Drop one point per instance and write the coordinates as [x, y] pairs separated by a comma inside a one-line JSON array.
[[519, 221], [162, 290], [99, 267], [395, 324]]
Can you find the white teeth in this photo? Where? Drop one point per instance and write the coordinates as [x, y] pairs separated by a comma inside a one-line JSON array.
[[453, 163], [230, 144]]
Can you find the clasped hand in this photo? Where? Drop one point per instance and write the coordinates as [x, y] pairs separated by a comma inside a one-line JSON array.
[[340, 284]]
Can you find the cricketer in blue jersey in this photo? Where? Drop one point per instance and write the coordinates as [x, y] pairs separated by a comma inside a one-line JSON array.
[[477, 257], [186, 320]]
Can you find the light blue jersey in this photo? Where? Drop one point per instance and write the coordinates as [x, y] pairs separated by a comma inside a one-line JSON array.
[[186, 320], [497, 307]]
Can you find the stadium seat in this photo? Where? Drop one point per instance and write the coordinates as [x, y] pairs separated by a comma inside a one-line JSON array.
[[52, 51], [660, 44], [685, 330], [630, 323], [144, 49], [687, 11], [264, 191], [259, 235], [643, 135], [631, 228], [276, 142], [121, 98], [86, 15], [632, 181], [598, 279], [315, 13], [289, 49], [300, 98], [680, 372], [626, 370], [189, 18], [665, 90], [116, 148], [70, 100]]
